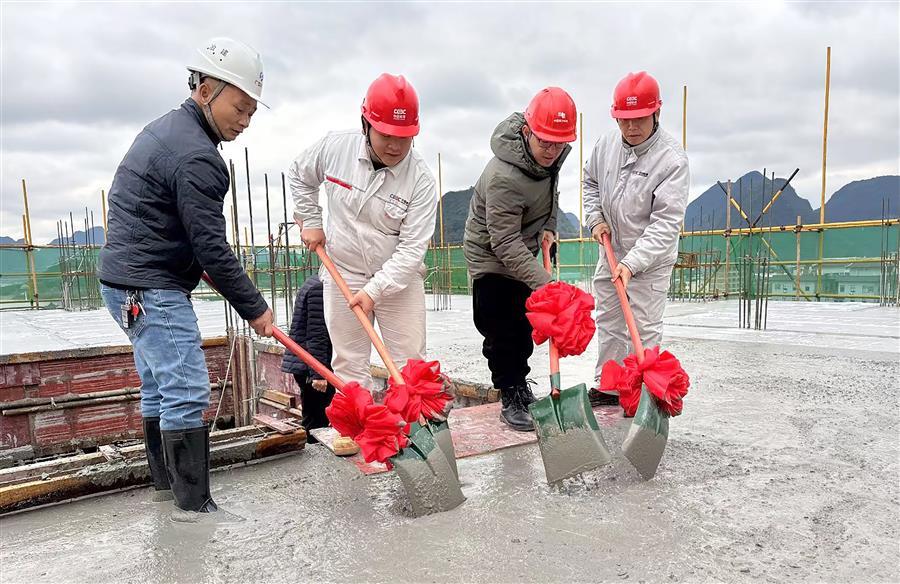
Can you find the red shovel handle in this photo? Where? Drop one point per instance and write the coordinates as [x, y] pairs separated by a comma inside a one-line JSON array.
[[296, 349], [623, 300], [554, 352], [360, 315], [304, 356]]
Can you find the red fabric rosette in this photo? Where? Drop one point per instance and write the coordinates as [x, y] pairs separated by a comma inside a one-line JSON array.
[[377, 430], [422, 393], [625, 380], [562, 312], [662, 373]]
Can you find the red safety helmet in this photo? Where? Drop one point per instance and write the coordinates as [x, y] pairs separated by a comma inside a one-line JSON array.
[[636, 96], [392, 106], [551, 115]]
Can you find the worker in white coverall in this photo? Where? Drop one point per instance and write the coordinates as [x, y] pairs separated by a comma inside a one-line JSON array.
[[636, 189], [382, 203]]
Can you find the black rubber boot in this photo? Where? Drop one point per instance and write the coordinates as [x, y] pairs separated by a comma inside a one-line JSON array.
[[187, 461], [515, 412], [598, 398], [156, 461]]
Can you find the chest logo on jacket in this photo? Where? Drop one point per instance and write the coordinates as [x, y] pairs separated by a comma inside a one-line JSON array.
[[398, 199], [639, 173]]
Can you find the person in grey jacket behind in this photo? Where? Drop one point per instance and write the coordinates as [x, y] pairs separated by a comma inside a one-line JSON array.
[[513, 209], [165, 229], [636, 185]]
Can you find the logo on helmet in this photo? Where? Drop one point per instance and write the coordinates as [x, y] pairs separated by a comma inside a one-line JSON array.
[[631, 101], [560, 117], [400, 114]]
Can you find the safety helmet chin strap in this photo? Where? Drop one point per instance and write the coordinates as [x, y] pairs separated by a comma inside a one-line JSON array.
[[194, 82]]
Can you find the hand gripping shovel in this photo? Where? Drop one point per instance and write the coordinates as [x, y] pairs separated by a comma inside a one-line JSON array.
[[422, 468], [424, 434], [648, 434], [567, 431]]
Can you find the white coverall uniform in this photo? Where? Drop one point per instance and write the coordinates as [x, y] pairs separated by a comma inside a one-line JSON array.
[[379, 226], [641, 192]]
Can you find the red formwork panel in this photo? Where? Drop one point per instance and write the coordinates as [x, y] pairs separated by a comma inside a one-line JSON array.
[[78, 372], [15, 432], [19, 374], [268, 366], [87, 425]]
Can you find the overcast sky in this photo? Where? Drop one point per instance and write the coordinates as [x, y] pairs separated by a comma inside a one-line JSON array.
[[80, 80]]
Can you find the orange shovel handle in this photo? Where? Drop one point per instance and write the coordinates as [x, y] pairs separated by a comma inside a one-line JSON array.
[[623, 300], [360, 315]]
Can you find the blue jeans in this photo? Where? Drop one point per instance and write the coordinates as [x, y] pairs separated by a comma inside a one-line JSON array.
[[168, 356]]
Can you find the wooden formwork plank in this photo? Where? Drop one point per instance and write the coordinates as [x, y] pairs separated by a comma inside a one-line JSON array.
[[107, 476]]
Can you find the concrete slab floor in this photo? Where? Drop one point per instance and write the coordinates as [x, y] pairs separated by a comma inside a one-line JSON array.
[[783, 467]]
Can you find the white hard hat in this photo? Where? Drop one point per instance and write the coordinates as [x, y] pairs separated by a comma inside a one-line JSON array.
[[231, 61]]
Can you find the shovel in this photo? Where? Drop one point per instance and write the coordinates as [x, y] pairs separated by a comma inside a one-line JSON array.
[[648, 434], [422, 468], [567, 431], [439, 430]]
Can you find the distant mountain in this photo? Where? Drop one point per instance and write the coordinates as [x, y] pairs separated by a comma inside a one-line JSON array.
[[97, 237], [5, 239], [856, 201], [567, 226], [456, 209], [752, 192], [861, 200]]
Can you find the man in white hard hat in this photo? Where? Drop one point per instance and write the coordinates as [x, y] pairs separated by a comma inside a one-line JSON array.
[[165, 229], [381, 211], [636, 184]]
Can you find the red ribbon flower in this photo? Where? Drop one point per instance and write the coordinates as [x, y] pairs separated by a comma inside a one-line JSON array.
[[377, 430], [562, 312], [422, 394], [625, 380], [383, 436], [662, 373], [666, 379], [347, 411]]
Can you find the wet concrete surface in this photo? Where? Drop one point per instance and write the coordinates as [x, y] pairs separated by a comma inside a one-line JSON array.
[[783, 467]]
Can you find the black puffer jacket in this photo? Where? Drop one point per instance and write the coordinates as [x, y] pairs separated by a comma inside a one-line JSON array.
[[308, 329], [165, 214]]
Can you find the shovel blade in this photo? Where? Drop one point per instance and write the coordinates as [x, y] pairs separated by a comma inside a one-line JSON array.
[[440, 431], [427, 475], [646, 440], [568, 434]]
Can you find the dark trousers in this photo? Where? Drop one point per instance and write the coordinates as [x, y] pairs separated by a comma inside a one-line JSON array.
[[313, 404], [499, 309]]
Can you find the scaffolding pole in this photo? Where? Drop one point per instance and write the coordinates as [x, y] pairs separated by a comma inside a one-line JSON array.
[[824, 163]]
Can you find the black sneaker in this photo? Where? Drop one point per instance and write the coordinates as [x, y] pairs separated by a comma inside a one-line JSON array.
[[598, 398]]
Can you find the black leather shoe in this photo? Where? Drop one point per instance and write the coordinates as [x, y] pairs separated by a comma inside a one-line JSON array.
[[514, 412]]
